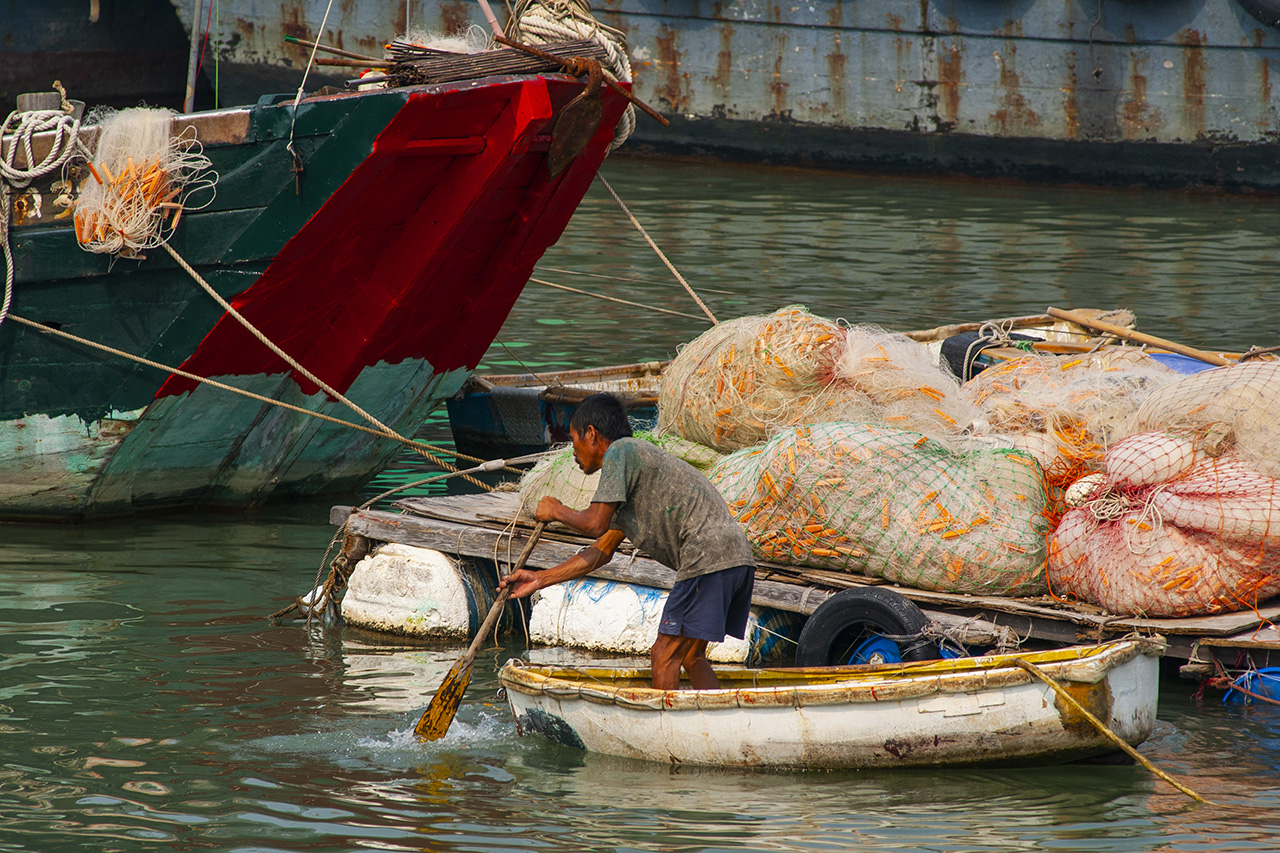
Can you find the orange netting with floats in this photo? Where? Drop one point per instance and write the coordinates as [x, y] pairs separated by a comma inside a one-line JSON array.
[[1185, 517], [1065, 410]]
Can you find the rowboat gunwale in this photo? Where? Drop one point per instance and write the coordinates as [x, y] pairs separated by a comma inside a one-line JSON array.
[[818, 686]]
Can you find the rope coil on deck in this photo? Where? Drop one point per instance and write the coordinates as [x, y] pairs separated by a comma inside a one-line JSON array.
[[544, 21]]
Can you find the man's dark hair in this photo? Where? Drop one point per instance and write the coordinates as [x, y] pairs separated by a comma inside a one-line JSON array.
[[606, 413]]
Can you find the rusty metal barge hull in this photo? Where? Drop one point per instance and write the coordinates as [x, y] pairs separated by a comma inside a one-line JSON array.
[[385, 266], [1171, 94]]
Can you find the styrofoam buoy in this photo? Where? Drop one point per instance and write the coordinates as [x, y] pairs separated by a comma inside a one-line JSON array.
[[417, 592], [611, 616]]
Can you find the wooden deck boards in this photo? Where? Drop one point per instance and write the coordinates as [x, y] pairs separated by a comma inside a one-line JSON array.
[[484, 526]]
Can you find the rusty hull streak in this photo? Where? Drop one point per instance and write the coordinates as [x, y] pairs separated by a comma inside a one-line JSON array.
[[723, 81], [455, 16], [675, 90], [1096, 698], [1193, 81], [777, 86], [837, 69], [1015, 115], [1264, 73], [1139, 119], [835, 14], [1070, 105], [950, 79]]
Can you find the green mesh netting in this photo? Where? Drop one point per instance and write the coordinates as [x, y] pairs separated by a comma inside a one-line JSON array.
[[894, 504]]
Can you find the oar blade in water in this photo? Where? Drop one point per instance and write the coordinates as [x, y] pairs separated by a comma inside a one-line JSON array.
[[435, 721]]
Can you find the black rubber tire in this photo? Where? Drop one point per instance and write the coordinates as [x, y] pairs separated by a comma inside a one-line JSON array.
[[849, 616], [1264, 11]]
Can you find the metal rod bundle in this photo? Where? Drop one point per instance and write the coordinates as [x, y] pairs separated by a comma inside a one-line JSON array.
[[473, 66]]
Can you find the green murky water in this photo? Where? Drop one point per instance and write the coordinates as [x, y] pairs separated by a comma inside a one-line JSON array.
[[146, 703]]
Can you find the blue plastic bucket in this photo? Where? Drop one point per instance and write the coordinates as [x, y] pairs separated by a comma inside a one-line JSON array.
[[1260, 682]]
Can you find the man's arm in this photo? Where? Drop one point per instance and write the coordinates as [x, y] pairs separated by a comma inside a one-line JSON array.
[[586, 561], [592, 521]]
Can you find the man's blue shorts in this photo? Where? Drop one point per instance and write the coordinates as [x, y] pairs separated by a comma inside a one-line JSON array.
[[710, 607]]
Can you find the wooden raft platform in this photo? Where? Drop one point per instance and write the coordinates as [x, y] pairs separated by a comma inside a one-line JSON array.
[[485, 526]]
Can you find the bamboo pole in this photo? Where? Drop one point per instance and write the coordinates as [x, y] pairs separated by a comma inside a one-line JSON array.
[[193, 60], [1138, 337]]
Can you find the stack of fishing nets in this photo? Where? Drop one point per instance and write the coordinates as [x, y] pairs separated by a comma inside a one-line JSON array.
[[1185, 518], [1065, 410], [745, 380], [142, 178], [894, 504]]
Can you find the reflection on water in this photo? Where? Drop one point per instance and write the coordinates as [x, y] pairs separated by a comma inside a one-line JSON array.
[[146, 702]]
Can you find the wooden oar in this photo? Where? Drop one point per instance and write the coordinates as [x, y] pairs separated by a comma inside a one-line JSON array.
[[435, 721], [1137, 337]]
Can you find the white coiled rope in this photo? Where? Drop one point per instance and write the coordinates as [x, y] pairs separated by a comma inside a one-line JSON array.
[[23, 126], [542, 21]]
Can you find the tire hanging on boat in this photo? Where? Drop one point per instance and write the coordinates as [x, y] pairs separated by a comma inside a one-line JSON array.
[[869, 625]]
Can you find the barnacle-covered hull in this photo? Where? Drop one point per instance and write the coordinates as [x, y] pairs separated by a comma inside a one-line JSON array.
[[384, 264]]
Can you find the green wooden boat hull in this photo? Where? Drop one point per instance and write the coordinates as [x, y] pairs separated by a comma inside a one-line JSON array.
[[386, 267]]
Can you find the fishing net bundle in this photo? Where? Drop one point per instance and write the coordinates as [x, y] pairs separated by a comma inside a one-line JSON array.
[[1065, 411], [143, 179], [559, 476], [469, 39], [894, 504], [1185, 518], [744, 380]]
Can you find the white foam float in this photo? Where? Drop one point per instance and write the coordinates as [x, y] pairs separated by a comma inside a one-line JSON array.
[[416, 592], [609, 616]]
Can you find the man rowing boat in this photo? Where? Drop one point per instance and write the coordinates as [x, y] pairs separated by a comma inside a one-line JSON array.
[[671, 512]]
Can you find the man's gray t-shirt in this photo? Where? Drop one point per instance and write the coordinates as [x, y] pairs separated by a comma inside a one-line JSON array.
[[669, 510]]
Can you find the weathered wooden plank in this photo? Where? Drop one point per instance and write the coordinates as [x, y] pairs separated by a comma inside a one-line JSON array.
[[478, 522], [471, 541]]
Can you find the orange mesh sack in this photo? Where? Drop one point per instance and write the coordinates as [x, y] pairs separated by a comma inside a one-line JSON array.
[[747, 379], [739, 382], [1185, 520], [1066, 410], [905, 386], [894, 504]]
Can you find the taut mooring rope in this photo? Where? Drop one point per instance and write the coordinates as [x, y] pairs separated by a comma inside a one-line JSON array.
[[426, 450], [654, 246], [320, 383]]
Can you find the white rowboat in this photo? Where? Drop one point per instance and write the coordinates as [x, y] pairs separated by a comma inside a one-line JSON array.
[[949, 712]]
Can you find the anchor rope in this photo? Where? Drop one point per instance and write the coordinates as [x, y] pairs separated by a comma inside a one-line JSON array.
[[541, 21], [297, 99], [627, 302], [1104, 730], [426, 450], [661, 256]]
